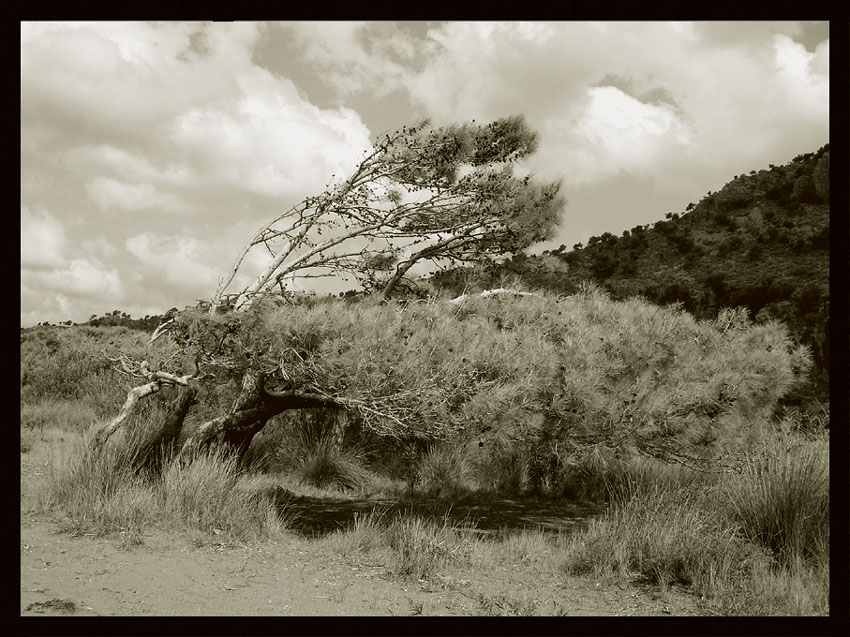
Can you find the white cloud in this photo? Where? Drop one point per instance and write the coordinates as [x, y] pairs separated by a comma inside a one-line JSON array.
[[177, 103], [804, 76], [268, 141], [43, 240], [79, 278], [618, 133], [176, 260], [727, 100], [171, 117], [353, 57], [109, 194], [99, 247]]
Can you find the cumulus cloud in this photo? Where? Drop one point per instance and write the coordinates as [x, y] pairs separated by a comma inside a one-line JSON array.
[[73, 291], [354, 57], [81, 278], [177, 102], [109, 194], [268, 141], [677, 94], [162, 118], [621, 133], [43, 240], [176, 260]]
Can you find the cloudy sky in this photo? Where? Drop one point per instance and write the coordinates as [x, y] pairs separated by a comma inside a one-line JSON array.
[[151, 152]]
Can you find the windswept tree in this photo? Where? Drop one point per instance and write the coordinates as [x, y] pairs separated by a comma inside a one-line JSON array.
[[580, 372], [446, 195]]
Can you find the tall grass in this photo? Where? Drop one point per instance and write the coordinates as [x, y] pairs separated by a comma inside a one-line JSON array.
[[211, 495], [423, 548], [445, 471], [754, 542], [325, 461], [664, 537], [95, 493], [781, 500], [100, 493]]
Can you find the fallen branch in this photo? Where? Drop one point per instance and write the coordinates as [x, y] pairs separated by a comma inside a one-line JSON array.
[[133, 396], [156, 380]]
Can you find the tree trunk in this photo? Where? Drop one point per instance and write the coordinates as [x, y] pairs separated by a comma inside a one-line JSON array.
[[394, 280], [251, 410], [252, 395], [161, 442]]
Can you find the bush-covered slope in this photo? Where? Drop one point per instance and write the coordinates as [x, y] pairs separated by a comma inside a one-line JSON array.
[[761, 242]]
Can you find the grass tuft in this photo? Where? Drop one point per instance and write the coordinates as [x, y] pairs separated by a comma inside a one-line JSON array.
[[422, 548], [781, 500], [445, 471]]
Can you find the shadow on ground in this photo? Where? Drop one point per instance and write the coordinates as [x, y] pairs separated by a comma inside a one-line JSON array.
[[312, 516]]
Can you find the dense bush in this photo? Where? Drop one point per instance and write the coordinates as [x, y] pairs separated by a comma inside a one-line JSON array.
[[541, 370]]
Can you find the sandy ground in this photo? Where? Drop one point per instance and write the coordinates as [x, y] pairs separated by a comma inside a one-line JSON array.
[[167, 575]]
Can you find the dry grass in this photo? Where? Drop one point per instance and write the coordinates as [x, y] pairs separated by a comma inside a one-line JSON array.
[[754, 542], [100, 494]]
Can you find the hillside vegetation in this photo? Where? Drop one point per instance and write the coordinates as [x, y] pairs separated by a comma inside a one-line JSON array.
[[652, 392], [761, 242], [546, 396]]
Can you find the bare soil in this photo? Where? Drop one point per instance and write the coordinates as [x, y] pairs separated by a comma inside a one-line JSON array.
[[168, 575]]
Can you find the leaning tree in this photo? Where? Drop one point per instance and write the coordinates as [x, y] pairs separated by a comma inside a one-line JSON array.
[[443, 195], [446, 196], [566, 373]]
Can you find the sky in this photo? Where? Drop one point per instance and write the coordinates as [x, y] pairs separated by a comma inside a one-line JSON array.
[[152, 152]]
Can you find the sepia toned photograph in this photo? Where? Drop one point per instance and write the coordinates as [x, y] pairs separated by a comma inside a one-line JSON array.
[[422, 318]]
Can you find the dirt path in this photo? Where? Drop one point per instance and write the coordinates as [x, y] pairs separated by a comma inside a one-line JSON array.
[[167, 576]]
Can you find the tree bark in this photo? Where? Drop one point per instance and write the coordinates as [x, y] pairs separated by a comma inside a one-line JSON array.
[[250, 412], [133, 396], [252, 395], [161, 442]]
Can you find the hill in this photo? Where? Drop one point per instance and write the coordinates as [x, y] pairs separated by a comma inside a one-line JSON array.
[[761, 242]]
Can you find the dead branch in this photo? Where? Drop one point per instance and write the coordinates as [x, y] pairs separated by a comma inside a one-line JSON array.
[[133, 397], [156, 380], [161, 328]]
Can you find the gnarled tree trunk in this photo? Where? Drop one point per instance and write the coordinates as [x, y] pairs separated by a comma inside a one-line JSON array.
[[162, 441], [238, 439], [251, 410]]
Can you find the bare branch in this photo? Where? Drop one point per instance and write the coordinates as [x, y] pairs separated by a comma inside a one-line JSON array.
[[134, 395], [160, 330]]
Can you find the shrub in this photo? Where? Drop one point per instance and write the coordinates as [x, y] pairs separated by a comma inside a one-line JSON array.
[[781, 499], [325, 462], [580, 369], [445, 471]]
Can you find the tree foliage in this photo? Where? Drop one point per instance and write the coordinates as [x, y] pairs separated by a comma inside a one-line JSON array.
[[445, 195], [584, 370], [756, 243]]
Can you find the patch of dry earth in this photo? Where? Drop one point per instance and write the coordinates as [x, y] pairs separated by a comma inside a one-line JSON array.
[[168, 576]]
